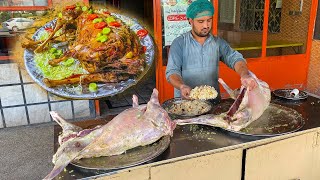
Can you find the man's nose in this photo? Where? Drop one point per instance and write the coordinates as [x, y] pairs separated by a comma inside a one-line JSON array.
[[206, 25]]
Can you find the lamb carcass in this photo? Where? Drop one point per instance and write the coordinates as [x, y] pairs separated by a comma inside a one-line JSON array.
[[136, 126], [247, 107]]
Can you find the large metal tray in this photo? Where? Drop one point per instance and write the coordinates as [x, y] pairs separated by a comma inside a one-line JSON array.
[[130, 158], [285, 94], [276, 120], [168, 103], [104, 89]]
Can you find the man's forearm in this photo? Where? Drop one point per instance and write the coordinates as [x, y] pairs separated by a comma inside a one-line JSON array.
[[241, 68], [176, 81]]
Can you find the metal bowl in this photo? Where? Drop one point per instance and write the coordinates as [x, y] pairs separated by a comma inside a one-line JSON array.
[[167, 105]]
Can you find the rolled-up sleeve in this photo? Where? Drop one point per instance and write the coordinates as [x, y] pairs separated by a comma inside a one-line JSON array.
[[174, 65], [228, 55]]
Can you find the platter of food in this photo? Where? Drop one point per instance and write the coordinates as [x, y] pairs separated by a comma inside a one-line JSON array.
[[181, 108], [87, 53]]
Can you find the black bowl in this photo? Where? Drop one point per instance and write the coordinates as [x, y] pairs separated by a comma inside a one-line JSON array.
[[168, 103]]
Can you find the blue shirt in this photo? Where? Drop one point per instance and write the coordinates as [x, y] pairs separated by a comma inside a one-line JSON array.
[[198, 64]]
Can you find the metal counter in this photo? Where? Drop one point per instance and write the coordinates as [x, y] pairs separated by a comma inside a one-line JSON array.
[[192, 139]]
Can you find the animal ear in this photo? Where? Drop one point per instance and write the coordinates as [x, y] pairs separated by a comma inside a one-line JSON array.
[[135, 101]]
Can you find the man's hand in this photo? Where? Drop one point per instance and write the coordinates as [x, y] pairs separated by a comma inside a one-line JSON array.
[[185, 91], [248, 81]]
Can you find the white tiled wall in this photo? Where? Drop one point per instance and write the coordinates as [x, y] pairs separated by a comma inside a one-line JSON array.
[[9, 74], [81, 108], [15, 116], [63, 108], [11, 95], [35, 116], [1, 122], [23, 102], [35, 94]]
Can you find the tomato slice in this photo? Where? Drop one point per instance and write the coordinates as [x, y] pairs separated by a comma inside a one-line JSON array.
[[115, 24], [49, 29], [144, 49], [71, 7], [142, 33], [100, 25], [92, 16]]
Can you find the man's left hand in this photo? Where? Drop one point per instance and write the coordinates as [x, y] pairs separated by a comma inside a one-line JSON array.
[[249, 82]]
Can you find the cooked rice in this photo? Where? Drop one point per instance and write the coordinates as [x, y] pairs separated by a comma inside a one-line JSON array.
[[203, 92]]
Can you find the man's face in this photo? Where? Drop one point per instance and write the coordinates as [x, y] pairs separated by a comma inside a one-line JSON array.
[[201, 26]]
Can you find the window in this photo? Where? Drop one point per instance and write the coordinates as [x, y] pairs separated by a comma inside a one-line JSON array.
[[251, 15], [317, 25]]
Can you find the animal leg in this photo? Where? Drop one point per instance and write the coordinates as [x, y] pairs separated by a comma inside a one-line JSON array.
[[59, 25], [232, 93]]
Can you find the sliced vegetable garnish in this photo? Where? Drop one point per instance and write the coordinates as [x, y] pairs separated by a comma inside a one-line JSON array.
[[106, 30], [56, 72], [102, 38], [84, 8], [53, 50], [68, 62], [97, 20], [110, 19], [129, 55], [93, 87]]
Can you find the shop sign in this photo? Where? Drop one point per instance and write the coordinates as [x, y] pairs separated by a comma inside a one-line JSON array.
[[175, 20]]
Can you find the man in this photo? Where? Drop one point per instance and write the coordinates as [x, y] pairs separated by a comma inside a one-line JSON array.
[[194, 56]]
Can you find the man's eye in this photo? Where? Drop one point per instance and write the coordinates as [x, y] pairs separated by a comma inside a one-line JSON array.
[[200, 21]]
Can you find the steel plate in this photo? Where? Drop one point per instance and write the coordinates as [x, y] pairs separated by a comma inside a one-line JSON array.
[[285, 94], [168, 103], [132, 157], [276, 120], [104, 89]]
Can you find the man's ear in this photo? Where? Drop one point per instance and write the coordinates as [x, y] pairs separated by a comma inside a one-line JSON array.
[[189, 20]]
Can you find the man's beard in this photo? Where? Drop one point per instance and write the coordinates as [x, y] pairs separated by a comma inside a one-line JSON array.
[[201, 34]]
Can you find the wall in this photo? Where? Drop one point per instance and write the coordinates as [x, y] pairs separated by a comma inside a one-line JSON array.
[[313, 83]]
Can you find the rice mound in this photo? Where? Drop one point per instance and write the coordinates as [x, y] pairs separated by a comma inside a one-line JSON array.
[[203, 92]]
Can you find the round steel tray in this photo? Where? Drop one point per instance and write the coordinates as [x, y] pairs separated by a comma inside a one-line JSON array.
[[276, 120], [285, 94], [132, 157], [104, 89], [168, 103]]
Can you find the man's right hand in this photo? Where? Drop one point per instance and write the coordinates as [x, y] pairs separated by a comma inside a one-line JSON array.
[[185, 91]]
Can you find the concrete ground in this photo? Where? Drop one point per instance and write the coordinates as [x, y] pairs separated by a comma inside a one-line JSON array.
[[26, 152]]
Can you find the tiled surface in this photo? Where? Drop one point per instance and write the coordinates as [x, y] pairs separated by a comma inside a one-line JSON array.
[[15, 116], [9, 74], [35, 94], [36, 117], [81, 109], [63, 108], [1, 121], [11, 95], [313, 83]]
